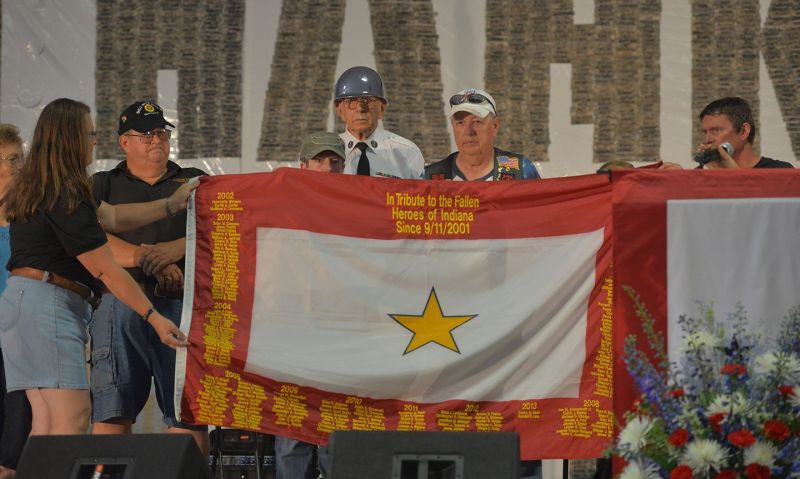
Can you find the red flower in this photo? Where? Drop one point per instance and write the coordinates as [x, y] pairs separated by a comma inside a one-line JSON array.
[[742, 438], [679, 438], [776, 430], [681, 472], [676, 393], [733, 369], [716, 421], [757, 471], [726, 474], [786, 390]]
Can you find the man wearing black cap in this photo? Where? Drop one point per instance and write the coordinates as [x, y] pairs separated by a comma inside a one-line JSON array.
[[125, 353], [370, 150]]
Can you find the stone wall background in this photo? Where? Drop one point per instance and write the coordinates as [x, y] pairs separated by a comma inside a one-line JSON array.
[[615, 80], [303, 70], [780, 46], [202, 40], [726, 41], [615, 61], [516, 49]]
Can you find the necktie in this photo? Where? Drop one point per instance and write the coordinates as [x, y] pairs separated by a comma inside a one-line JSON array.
[[363, 162]]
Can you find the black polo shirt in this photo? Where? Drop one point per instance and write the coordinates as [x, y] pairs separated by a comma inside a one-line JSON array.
[[51, 239], [119, 186], [765, 162]]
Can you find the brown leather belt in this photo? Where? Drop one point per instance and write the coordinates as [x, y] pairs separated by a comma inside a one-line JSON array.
[[60, 281], [153, 289]]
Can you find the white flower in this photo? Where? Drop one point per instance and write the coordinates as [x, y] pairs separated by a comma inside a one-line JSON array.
[[704, 454], [688, 412], [633, 437], [724, 404], [795, 396], [635, 470], [782, 364], [761, 453], [700, 340]]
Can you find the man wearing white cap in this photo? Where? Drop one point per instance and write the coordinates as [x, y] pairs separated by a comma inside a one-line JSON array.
[[473, 115], [475, 125]]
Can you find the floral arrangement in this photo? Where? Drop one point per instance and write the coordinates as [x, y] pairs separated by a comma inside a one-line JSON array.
[[730, 409]]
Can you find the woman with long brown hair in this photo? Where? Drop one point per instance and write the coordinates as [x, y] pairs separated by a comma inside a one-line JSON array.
[[15, 411], [60, 261]]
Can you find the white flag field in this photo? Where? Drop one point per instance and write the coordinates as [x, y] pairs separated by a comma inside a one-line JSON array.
[[327, 303]]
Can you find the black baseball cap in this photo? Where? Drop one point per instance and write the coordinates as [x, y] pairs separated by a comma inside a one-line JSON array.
[[142, 116]]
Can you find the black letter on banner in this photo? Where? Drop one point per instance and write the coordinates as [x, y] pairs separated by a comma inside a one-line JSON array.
[[781, 31], [407, 57], [725, 47], [615, 73], [302, 76], [202, 40]]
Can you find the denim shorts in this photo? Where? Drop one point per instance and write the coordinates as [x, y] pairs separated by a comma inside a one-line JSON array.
[[127, 355], [43, 334]]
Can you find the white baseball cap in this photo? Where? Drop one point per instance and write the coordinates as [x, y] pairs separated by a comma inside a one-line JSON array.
[[473, 101]]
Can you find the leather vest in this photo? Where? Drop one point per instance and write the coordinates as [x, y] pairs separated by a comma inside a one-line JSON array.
[[503, 169]]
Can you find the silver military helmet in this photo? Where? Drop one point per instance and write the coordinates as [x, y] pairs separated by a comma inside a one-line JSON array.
[[359, 81]]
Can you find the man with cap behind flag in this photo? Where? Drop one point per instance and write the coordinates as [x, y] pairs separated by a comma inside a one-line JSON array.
[[370, 150], [323, 151], [126, 355], [473, 115], [294, 459]]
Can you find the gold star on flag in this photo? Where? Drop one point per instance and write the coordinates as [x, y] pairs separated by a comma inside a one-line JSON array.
[[431, 326]]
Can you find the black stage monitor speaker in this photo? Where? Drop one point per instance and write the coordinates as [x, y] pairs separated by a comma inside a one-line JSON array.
[[125, 456], [235, 454], [424, 455]]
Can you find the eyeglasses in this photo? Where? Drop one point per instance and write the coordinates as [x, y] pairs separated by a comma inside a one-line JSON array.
[[475, 98], [14, 160], [364, 102], [147, 138]]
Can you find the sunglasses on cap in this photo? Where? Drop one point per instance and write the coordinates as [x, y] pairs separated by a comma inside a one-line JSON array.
[[475, 98]]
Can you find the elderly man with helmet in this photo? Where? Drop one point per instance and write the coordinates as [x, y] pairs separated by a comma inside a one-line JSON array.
[[370, 150]]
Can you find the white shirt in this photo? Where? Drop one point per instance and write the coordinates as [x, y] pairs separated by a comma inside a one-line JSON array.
[[390, 155]]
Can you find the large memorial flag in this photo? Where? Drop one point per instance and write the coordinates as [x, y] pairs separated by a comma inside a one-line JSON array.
[[318, 302]]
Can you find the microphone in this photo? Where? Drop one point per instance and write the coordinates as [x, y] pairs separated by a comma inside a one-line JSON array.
[[712, 154]]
